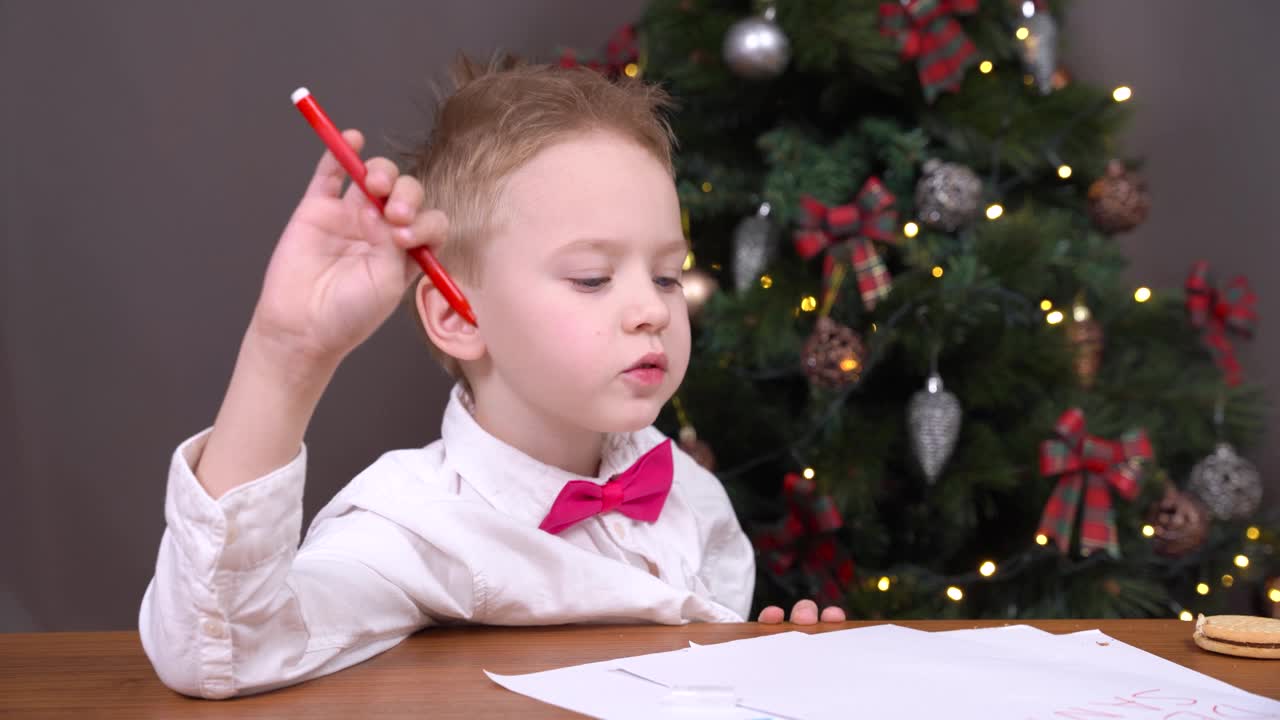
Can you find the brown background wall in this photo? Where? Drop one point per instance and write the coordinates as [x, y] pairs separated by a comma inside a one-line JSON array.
[[150, 159]]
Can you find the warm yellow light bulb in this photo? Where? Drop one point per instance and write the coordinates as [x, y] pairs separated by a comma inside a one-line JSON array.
[[631, 69], [883, 584], [706, 186], [1122, 93], [809, 303], [1042, 539], [1080, 313], [1185, 616], [994, 210], [911, 229], [1054, 317], [688, 261], [985, 67], [1228, 581], [808, 473], [1202, 588], [1242, 561], [1064, 171], [1253, 533], [936, 271], [987, 569], [1022, 33], [1274, 595], [1142, 294], [766, 282], [848, 365], [1046, 304], [955, 593], [1148, 531]]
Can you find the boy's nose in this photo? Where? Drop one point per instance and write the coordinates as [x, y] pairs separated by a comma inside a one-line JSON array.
[[646, 311]]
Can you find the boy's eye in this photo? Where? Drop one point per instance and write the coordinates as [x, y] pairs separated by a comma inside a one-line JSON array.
[[590, 283], [667, 283]]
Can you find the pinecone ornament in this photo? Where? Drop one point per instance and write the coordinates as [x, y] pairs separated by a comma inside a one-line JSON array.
[[1118, 201], [933, 418], [833, 355], [1181, 523], [755, 242], [1086, 338]]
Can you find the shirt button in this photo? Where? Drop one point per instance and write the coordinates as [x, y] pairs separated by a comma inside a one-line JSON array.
[[229, 535], [213, 628], [620, 530]]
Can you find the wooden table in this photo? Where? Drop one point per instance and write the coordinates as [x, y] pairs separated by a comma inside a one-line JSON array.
[[437, 673]]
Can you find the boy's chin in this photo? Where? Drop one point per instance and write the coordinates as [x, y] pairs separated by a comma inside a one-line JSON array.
[[625, 420]]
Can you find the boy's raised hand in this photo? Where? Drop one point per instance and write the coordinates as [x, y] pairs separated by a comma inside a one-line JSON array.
[[805, 612], [340, 267]]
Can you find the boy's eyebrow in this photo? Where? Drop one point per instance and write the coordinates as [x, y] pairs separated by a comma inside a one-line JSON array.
[[612, 245]]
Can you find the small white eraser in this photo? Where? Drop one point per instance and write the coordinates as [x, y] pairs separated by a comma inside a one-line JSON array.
[[299, 94]]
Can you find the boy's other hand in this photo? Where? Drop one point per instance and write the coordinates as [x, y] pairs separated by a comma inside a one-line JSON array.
[[340, 267], [805, 612]]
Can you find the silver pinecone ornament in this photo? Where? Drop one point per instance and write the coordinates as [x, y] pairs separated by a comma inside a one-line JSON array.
[[754, 244], [1229, 484], [933, 418], [1039, 49], [948, 196]]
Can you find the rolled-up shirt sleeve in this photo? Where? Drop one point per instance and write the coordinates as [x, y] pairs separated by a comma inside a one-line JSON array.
[[235, 608]]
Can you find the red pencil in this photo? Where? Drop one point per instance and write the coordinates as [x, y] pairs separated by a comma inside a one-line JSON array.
[[351, 162]]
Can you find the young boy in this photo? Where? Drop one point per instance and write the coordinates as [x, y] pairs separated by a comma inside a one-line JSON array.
[[563, 231]]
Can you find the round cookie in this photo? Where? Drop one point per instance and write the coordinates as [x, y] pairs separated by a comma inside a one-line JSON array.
[[1242, 635]]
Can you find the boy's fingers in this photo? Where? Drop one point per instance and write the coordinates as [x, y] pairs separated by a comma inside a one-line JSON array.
[[805, 613], [428, 228], [832, 614], [771, 615], [404, 201], [327, 180], [382, 176]]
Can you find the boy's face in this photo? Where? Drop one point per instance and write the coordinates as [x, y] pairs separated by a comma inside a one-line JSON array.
[[583, 316]]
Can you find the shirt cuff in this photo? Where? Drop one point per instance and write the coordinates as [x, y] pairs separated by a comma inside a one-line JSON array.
[[247, 526]]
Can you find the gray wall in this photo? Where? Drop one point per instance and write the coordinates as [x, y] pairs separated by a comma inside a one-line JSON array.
[[151, 158]]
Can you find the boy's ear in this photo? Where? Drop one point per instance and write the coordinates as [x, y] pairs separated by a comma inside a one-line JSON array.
[[448, 330]]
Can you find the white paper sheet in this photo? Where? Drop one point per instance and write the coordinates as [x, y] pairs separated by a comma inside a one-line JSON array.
[[886, 671]]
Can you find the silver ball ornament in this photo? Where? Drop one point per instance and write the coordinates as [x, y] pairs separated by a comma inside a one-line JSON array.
[[949, 195], [756, 47], [1229, 484]]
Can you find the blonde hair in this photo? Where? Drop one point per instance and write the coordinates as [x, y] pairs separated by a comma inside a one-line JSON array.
[[498, 118]]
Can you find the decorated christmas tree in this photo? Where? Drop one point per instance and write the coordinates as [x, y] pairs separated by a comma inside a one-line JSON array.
[[918, 368]]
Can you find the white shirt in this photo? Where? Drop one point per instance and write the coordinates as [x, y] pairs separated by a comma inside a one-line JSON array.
[[438, 535]]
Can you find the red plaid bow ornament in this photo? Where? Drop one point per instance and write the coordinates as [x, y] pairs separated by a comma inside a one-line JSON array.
[[927, 31], [806, 535], [622, 50], [1215, 312], [849, 230], [1092, 466]]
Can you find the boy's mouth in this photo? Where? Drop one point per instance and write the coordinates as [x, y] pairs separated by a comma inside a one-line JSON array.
[[652, 361], [647, 372]]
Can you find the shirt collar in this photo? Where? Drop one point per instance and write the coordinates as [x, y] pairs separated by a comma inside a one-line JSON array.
[[512, 482]]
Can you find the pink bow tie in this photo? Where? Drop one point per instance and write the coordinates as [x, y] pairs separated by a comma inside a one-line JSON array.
[[638, 492]]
